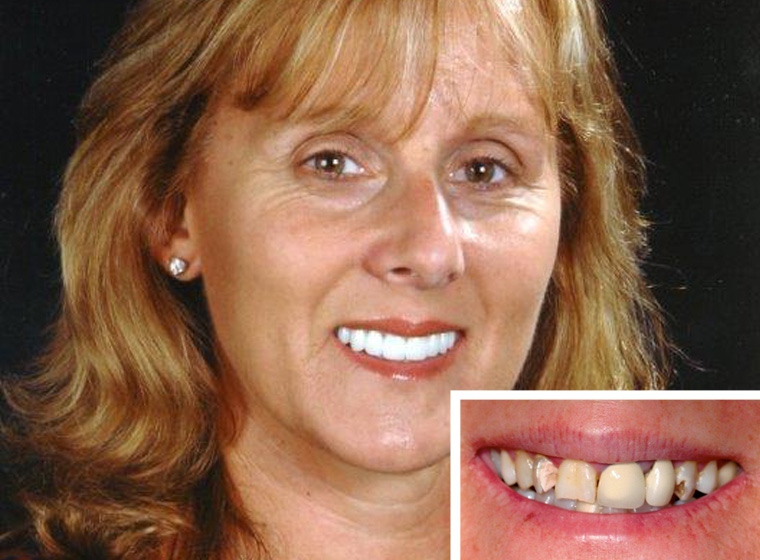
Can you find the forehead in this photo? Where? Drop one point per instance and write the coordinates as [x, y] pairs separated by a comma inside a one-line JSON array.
[[388, 74]]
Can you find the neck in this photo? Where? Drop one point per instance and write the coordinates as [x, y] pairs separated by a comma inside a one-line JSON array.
[[310, 504]]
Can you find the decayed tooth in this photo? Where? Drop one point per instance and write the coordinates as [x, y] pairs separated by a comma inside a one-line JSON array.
[[576, 480], [508, 474], [622, 486], [686, 480], [727, 473], [544, 474], [584, 507], [524, 469], [660, 483], [707, 480]]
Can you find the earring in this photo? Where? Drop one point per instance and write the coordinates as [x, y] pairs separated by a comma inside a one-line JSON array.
[[177, 266]]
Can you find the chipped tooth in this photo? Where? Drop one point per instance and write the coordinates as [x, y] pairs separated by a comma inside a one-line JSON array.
[[544, 474], [707, 480], [727, 473], [584, 507], [660, 483], [508, 474], [686, 480], [524, 469], [622, 486], [530, 494], [576, 480]]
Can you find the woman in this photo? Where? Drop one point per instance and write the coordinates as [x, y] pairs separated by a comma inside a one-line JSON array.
[[662, 480], [371, 194]]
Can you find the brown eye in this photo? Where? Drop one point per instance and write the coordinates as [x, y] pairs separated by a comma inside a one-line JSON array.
[[483, 172], [333, 164], [480, 171]]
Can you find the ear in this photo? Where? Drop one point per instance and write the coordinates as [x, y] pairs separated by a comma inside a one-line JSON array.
[[179, 244]]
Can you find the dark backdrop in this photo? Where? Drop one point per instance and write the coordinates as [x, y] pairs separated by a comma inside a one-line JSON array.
[[691, 75]]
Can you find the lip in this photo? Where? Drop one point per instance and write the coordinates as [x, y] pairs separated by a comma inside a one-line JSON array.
[[404, 371], [518, 526]]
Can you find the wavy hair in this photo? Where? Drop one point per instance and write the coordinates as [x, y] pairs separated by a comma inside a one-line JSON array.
[[115, 442]]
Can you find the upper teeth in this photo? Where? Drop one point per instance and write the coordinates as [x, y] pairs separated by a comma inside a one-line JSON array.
[[394, 347], [621, 487]]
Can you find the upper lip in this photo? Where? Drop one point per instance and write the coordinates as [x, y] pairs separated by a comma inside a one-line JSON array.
[[403, 327]]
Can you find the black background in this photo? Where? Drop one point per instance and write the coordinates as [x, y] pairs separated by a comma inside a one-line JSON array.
[[691, 75]]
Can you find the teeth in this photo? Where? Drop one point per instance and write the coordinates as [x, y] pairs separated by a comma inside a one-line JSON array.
[[544, 474], [397, 348], [686, 480], [576, 481], [727, 473], [660, 483], [508, 473], [524, 469], [707, 481], [622, 486]]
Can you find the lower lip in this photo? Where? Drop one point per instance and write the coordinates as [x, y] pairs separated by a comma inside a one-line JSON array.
[[525, 525], [403, 371]]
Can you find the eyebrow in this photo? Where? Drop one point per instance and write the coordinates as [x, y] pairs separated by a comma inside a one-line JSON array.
[[516, 123]]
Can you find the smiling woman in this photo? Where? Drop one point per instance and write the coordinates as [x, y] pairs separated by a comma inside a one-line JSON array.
[[382, 201]]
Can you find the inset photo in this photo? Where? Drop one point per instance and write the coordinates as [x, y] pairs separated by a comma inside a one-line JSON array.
[[600, 479]]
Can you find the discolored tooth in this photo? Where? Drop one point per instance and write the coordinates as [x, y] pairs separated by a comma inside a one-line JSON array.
[[686, 480], [544, 474], [660, 483], [496, 461], [524, 469], [727, 473], [622, 486], [707, 480], [508, 473], [583, 507], [576, 480]]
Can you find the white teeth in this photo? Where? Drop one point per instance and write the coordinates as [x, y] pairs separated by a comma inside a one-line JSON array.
[[508, 473], [397, 348], [660, 483], [576, 480], [621, 486], [707, 481], [727, 473], [544, 474], [686, 480], [524, 469]]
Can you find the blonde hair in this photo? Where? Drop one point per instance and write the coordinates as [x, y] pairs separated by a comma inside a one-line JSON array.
[[125, 417]]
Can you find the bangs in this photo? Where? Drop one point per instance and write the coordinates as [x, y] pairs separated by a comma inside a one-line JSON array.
[[343, 62]]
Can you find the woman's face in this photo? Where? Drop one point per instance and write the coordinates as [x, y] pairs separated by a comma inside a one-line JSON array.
[[498, 523], [438, 247]]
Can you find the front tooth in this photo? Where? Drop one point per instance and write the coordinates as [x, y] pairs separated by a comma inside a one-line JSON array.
[[394, 347], [727, 473], [622, 486], [524, 469], [576, 480], [707, 481], [686, 480], [358, 340], [544, 474], [416, 349], [584, 507], [660, 483], [508, 473], [374, 344]]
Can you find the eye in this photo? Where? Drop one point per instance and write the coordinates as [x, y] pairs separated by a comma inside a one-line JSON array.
[[333, 164], [483, 172]]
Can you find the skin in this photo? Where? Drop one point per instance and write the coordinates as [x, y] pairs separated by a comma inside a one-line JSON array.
[[721, 525], [334, 458]]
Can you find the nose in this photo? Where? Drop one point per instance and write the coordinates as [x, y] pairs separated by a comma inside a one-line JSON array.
[[420, 244]]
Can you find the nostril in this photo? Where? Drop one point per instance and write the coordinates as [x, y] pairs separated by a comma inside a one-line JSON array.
[[402, 271]]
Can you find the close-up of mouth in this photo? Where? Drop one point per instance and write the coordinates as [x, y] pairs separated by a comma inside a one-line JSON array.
[[575, 479], [400, 349]]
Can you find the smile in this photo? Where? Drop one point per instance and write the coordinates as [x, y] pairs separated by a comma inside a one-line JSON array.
[[394, 347], [632, 487]]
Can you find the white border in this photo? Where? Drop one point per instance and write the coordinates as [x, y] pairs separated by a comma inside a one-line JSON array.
[[456, 427]]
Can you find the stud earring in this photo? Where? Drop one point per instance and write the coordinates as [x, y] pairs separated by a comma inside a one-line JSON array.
[[177, 266]]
